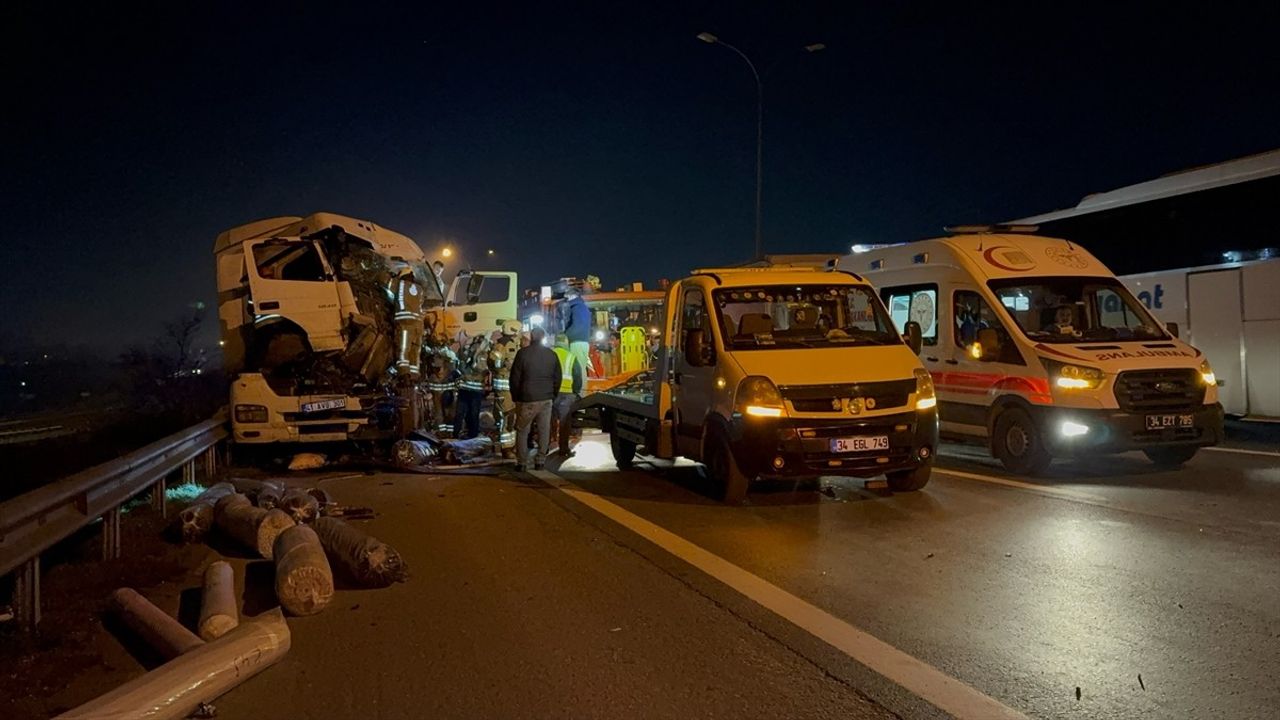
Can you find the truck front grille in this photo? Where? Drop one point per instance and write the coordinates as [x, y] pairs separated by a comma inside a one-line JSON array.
[[828, 398], [1159, 390]]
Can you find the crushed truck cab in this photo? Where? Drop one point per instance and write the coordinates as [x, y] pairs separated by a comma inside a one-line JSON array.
[[778, 372]]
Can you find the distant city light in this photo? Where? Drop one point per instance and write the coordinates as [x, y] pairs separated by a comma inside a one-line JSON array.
[[221, 343], [22, 384], [490, 252]]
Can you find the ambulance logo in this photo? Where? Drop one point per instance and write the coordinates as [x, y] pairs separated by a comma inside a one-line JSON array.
[[1008, 258], [1068, 257]]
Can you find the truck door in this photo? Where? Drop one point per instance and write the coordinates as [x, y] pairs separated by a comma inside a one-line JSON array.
[[291, 279], [691, 384], [478, 302]]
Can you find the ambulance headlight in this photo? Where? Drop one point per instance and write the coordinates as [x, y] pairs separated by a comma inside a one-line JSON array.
[[1073, 377], [1206, 374], [757, 396]]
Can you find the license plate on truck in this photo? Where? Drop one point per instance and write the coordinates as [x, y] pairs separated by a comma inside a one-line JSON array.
[[1162, 422], [321, 405], [866, 443]]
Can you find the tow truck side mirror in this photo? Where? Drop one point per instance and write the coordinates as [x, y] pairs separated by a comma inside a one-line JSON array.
[[988, 344], [1173, 328], [914, 336], [696, 352]]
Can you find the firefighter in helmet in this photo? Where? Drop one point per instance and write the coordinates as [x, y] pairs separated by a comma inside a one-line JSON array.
[[501, 355]]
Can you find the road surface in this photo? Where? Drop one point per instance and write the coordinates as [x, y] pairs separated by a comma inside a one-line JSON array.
[[1110, 589]]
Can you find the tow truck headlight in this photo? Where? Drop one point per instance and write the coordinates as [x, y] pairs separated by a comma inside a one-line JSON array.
[[251, 413], [1206, 374], [925, 396], [759, 397], [1073, 377]]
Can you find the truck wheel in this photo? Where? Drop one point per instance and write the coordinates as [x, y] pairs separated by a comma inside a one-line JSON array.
[[1016, 442], [731, 483], [624, 451], [1171, 457], [909, 480]]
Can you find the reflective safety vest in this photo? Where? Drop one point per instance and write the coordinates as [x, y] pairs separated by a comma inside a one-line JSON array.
[[566, 369]]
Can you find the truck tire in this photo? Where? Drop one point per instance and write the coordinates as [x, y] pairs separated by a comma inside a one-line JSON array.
[[1171, 457], [909, 480], [624, 451], [1017, 444], [731, 483]]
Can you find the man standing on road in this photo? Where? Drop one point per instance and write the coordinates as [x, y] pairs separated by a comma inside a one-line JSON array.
[[573, 378], [535, 383], [577, 326]]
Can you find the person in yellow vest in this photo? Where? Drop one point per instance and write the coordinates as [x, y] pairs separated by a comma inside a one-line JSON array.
[[573, 380]]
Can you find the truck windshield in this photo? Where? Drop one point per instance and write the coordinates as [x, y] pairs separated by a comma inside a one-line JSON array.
[[1075, 309], [805, 316]]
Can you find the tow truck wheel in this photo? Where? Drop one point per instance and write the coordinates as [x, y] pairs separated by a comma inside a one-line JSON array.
[[624, 451], [1016, 442], [1171, 457], [909, 480], [731, 483]]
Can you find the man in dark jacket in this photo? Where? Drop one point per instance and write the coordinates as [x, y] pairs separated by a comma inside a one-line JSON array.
[[577, 327], [535, 383]]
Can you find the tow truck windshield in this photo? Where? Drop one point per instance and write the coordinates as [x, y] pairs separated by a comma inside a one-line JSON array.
[[1075, 309], [804, 316]]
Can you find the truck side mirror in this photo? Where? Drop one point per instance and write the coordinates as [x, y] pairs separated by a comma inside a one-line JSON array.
[[914, 336], [1173, 328], [988, 344], [696, 352]]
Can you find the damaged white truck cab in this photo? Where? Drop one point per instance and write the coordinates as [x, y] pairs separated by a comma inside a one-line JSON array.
[[785, 372], [1036, 348], [309, 327]]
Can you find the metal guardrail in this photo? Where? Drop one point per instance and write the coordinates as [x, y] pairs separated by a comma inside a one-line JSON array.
[[32, 523]]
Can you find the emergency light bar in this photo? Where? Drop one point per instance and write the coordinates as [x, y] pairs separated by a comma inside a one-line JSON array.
[[980, 229]]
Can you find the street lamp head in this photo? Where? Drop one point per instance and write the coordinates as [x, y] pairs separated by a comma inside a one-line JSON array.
[[815, 47], [708, 38], [447, 252]]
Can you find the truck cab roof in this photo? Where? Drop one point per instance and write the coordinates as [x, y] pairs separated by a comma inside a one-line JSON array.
[[385, 242]]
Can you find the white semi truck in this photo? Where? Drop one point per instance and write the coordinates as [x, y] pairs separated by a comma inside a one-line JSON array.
[[309, 326]]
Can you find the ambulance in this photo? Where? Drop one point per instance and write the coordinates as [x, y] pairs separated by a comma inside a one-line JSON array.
[[1037, 349]]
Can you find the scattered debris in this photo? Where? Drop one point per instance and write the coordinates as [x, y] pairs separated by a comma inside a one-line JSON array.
[[828, 490], [926, 557], [304, 581], [1077, 692], [302, 506], [218, 615], [179, 687], [204, 711], [1140, 683], [363, 558], [307, 461], [251, 527], [1008, 554], [162, 633], [196, 520], [617, 629], [349, 512]]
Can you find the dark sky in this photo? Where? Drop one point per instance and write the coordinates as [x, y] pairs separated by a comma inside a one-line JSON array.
[[597, 138]]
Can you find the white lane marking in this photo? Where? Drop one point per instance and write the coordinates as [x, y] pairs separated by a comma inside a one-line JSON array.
[[1242, 451], [1064, 493], [946, 693]]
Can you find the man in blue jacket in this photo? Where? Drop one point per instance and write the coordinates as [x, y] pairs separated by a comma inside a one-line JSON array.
[[577, 327]]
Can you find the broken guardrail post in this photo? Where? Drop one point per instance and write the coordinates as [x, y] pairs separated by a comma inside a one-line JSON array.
[[26, 594], [304, 580], [175, 689], [218, 614], [252, 527], [111, 534], [163, 634]]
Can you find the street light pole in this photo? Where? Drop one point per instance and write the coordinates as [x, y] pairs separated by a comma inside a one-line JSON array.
[[713, 40]]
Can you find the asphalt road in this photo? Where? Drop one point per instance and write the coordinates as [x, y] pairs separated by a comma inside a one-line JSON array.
[[1109, 589]]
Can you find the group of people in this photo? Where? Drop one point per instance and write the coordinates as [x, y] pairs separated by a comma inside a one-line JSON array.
[[530, 385]]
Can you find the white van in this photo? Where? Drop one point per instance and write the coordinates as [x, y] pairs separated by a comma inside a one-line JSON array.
[[1038, 349]]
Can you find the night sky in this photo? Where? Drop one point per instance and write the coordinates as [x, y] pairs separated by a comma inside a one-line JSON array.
[[599, 138]]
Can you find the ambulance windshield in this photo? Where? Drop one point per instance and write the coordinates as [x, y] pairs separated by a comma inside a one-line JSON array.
[[1075, 309], [787, 316]]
